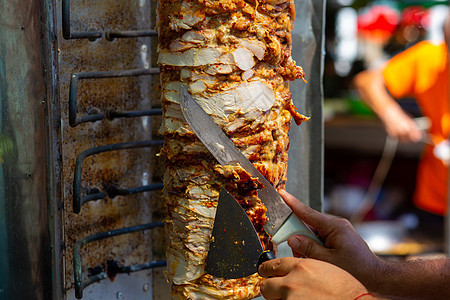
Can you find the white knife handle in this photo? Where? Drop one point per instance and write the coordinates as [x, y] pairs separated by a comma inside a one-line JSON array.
[[293, 226]]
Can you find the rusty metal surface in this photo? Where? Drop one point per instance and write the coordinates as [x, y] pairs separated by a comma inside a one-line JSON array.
[[126, 168], [25, 264]]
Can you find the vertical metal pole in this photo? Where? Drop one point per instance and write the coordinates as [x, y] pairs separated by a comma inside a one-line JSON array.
[[49, 41], [305, 167], [25, 236]]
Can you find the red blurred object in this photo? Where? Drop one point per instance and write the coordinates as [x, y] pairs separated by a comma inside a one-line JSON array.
[[415, 16], [378, 23]]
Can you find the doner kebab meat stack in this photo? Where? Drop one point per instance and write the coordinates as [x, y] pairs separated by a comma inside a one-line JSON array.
[[234, 58]]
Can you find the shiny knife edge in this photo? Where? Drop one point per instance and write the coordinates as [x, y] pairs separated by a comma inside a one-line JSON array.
[[279, 212]]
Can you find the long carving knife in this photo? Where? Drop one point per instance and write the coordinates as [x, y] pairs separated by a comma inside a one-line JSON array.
[[282, 223]]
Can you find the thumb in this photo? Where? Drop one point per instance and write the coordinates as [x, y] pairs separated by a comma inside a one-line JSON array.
[[315, 219], [304, 246]]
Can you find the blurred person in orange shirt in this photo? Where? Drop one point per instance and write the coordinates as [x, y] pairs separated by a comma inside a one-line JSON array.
[[421, 71]]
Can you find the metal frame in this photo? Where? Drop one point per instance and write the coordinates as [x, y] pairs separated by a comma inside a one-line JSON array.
[[110, 114], [111, 191], [93, 35], [81, 284], [305, 167]]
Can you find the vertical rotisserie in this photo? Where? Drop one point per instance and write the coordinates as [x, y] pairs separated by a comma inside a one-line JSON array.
[[234, 58]]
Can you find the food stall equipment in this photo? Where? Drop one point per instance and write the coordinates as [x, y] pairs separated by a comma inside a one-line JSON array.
[[80, 177]]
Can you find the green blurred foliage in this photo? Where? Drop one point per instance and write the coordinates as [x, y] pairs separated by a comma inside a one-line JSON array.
[[6, 148], [399, 3]]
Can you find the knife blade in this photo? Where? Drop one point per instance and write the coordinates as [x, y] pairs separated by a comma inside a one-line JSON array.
[[235, 250], [282, 223]]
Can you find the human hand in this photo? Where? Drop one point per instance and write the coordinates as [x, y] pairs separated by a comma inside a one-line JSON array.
[[373, 91], [296, 278], [442, 151], [343, 246], [400, 125]]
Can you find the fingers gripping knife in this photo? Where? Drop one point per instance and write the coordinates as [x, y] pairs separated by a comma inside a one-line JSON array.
[[282, 223]]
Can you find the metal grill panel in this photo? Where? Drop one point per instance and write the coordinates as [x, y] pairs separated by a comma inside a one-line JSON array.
[[110, 112]]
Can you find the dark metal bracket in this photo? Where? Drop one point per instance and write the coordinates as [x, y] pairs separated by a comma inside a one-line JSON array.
[[66, 26], [111, 35], [73, 90], [93, 35], [111, 191], [81, 284]]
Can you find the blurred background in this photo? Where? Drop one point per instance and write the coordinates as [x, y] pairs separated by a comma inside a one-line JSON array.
[[370, 178]]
